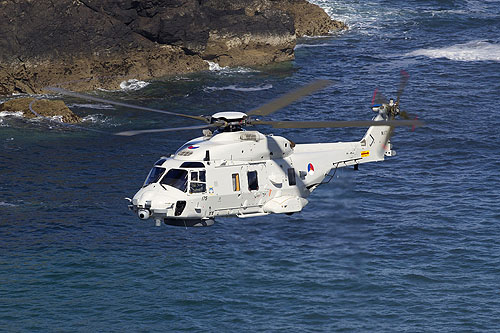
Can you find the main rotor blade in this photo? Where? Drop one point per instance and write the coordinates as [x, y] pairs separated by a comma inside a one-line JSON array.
[[160, 130], [289, 98], [337, 124], [131, 106]]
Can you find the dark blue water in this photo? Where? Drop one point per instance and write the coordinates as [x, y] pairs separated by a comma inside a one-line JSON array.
[[410, 244]]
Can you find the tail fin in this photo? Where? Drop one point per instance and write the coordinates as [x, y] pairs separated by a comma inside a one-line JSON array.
[[376, 143]]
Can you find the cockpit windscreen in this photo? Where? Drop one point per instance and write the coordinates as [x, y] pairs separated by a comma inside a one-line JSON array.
[[176, 178]]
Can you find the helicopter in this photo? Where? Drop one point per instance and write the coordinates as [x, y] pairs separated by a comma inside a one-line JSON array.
[[234, 170]]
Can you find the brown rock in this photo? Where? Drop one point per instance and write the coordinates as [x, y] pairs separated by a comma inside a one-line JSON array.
[[310, 19], [43, 107], [89, 44]]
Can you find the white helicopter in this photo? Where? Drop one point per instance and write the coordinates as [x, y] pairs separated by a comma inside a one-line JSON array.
[[232, 171]]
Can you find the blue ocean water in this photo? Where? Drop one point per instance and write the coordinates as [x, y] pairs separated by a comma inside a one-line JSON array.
[[410, 244]]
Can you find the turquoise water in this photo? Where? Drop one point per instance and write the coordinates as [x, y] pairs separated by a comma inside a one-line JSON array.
[[410, 244]]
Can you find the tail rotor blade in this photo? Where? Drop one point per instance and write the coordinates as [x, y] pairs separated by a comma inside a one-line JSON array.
[[405, 115], [379, 98], [402, 84]]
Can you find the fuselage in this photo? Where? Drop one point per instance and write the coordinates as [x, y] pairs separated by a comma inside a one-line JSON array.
[[244, 174]]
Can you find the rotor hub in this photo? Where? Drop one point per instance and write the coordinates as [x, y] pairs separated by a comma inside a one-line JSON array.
[[230, 121]]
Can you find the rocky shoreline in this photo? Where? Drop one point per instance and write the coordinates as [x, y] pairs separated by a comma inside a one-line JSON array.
[[90, 44]]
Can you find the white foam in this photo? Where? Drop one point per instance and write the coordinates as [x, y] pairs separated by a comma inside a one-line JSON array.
[[213, 66], [6, 204], [236, 88], [17, 114], [364, 17], [93, 106], [299, 46], [98, 119], [471, 51], [133, 84], [39, 119]]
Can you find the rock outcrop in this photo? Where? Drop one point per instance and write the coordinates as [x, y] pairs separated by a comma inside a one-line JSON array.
[[43, 107], [86, 44]]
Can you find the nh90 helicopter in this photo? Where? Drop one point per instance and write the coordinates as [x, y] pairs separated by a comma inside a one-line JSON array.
[[233, 171]]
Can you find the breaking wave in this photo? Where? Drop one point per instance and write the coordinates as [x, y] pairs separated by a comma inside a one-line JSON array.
[[236, 88], [6, 204], [100, 119], [17, 114], [133, 84], [299, 46], [215, 67], [471, 51]]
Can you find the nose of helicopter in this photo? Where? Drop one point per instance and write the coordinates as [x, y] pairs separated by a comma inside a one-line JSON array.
[[152, 201]]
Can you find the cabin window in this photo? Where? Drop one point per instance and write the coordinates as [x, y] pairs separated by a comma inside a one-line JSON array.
[[197, 183], [154, 175], [291, 177], [176, 178], [236, 181], [253, 182]]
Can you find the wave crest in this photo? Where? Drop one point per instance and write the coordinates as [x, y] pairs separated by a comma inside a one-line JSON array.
[[215, 67], [300, 46], [6, 204], [133, 84], [471, 51]]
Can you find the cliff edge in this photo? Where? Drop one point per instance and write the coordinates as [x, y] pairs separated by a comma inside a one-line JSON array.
[[89, 44]]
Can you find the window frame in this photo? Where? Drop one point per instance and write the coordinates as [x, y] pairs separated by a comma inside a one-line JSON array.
[[200, 181], [160, 171]]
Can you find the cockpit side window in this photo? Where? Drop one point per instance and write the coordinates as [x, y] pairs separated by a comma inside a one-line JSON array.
[[176, 178], [154, 175], [202, 176], [197, 182], [196, 187]]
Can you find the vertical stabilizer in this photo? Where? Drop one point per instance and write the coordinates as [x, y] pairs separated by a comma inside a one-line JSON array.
[[375, 145]]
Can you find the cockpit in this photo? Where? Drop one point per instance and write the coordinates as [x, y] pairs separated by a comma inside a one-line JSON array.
[[190, 176]]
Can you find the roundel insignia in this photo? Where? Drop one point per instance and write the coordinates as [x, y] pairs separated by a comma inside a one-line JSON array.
[[310, 169], [193, 147]]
